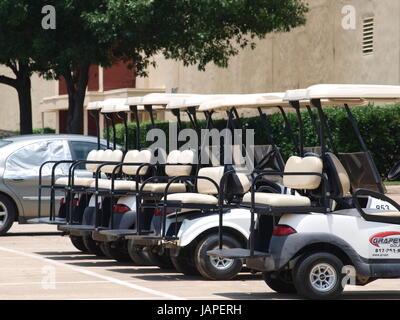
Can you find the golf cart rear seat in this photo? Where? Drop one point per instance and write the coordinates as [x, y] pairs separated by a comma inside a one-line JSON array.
[[176, 166], [92, 163], [299, 174], [179, 163], [207, 185], [134, 157]]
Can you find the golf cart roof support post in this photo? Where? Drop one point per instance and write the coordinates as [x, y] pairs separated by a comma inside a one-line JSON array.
[[209, 120], [364, 147], [296, 106], [264, 118], [317, 104], [107, 130], [124, 117], [135, 112], [96, 115], [177, 114], [229, 126], [149, 109], [329, 133], [314, 122], [289, 130]]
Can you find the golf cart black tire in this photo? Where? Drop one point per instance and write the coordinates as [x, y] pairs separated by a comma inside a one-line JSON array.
[[78, 243], [117, 251], [11, 214], [185, 265], [93, 246], [278, 284], [301, 275], [137, 254], [163, 261], [104, 249], [203, 261]]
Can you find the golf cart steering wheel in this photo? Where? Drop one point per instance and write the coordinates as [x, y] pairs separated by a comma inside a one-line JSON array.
[[394, 173]]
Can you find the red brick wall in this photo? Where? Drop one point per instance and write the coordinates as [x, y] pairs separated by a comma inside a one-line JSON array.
[[118, 77]]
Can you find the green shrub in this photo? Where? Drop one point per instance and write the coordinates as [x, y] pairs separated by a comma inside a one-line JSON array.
[[380, 127], [44, 131]]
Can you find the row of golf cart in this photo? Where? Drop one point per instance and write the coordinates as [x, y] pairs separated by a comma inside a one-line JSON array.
[[209, 210]]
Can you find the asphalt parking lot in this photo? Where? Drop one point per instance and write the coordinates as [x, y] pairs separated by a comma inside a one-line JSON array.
[[37, 263]]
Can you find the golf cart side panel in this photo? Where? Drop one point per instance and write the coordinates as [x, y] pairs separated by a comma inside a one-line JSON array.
[[284, 249], [237, 219]]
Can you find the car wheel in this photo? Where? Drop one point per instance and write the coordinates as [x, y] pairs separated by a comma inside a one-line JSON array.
[[137, 254], [280, 282], [319, 276], [184, 261], [118, 251], [78, 243], [105, 250], [216, 268], [8, 213], [163, 261], [93, 246]]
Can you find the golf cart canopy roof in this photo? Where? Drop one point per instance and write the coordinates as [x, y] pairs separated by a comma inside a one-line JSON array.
[[193, 101], [111, 105], [95, 105], [162, 99], [302, 95], [351, 94], [259, 100]]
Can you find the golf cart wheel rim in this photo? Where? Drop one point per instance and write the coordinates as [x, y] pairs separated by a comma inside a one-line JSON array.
[[323, 277], [3, 213], [221, 263]]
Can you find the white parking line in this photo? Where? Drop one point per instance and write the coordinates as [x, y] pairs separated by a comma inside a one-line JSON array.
[[94, 274]]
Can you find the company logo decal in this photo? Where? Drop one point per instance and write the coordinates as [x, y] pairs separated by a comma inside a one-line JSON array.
[[385, 238]]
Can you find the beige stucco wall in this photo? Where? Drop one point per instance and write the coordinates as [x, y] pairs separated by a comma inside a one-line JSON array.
[[9, 108], [320, 52]]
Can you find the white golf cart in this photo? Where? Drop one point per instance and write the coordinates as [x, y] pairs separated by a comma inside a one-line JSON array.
[[313, 243]]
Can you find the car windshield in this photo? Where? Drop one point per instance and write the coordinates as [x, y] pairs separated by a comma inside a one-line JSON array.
[[3, 143]]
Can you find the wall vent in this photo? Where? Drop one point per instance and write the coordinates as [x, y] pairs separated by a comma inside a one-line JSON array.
[[368, 36]]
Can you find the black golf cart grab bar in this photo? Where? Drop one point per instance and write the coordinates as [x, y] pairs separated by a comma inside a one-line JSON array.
[[376, 195], [165, 200]]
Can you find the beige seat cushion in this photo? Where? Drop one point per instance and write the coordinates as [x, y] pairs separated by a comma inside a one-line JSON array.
[[111, 156], [307, 164], [118, 184], [205, 186], [80, 182], [179, 157], [278, 200], [160, 187], [135, 156], [196, 198]]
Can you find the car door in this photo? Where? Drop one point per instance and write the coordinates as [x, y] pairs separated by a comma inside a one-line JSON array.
[[21, 173]]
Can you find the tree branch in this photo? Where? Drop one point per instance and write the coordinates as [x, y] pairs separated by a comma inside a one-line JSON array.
[[8, 81]]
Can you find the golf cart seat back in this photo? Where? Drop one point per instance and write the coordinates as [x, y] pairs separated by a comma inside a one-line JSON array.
[[180, 157], [111, 156], [207, 192], [136, 156], [175, 166], [94, 155], [300, 182], [338, 177], [303, 182]]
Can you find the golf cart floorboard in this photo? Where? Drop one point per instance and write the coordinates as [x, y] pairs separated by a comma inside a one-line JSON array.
[[47, 220], [237, 253], [119, 233], [80, 227]]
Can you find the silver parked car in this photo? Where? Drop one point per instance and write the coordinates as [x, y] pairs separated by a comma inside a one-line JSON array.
[[20, 160]]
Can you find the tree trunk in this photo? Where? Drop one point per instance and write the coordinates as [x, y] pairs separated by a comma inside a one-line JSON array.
[[25, 104], [76, 86], [21, 83]]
